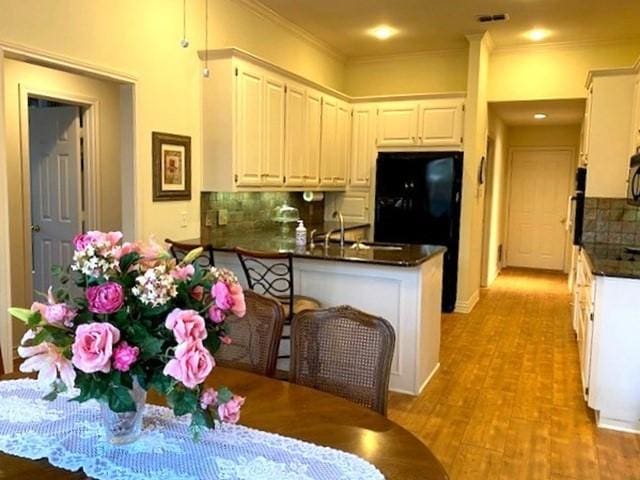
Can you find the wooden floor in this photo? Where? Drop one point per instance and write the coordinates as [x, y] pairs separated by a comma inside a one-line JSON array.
[[506, 403]]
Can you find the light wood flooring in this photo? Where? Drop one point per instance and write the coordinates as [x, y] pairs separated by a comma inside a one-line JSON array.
[[507, 402]]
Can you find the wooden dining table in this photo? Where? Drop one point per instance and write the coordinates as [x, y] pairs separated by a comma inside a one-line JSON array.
[[298, 412]]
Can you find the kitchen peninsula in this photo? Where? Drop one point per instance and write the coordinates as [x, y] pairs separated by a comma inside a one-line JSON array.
[[402, 283]]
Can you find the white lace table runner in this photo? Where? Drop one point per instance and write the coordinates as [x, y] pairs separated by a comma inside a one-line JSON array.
[[70, 436]]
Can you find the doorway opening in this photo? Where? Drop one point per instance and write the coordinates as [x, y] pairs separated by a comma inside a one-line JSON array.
[[57, 185]]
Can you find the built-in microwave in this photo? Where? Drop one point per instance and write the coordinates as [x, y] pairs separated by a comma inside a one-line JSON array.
[[633, 191]]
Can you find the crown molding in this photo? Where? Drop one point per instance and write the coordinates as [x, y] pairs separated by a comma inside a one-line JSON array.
[[266, 13], [528, 46], [48, 59], [404, 56]]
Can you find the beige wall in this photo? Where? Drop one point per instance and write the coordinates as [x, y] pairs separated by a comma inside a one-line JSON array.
[[475, 144], [496, 202], [555, 71], [428, 72], [19, 74], [554, 135]]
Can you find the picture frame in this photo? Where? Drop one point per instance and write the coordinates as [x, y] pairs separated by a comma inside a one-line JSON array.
[[171, 167]]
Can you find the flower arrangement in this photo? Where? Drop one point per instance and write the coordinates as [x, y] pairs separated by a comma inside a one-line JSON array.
[[138, 315]]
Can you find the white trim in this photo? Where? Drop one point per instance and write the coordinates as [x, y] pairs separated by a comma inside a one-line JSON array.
[[6, 323], [428, 379], [48, 59], [267, 13], [526, 45], [467, 306], [90, 179], [404, 56], [617, 425]]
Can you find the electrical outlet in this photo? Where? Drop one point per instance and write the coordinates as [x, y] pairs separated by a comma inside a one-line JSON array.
[[184, 219], [208, 218], [223, 217]]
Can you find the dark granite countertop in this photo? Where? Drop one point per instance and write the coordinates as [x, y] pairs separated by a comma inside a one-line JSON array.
[[610, 260], [402, 255]]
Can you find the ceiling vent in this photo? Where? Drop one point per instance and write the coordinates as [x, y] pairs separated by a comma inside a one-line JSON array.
[[498, 17]]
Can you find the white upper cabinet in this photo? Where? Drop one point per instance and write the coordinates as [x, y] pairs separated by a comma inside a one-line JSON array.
[[363, 145], [397, 124], [250, 125], [272, 171], [441, 122], [335, 143], [313, 132], [295, 149], [268, 129], [635, 127], [428, 123]]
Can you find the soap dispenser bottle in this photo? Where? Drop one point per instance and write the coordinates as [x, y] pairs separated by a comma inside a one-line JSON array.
[[301, 234]]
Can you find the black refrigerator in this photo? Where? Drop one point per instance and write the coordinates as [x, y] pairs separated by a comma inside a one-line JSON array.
[[418, 201]]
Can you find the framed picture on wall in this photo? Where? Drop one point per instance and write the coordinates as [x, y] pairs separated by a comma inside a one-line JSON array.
[[171, 167]]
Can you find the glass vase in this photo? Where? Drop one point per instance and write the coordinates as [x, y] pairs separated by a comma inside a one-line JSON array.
[[125, 427]]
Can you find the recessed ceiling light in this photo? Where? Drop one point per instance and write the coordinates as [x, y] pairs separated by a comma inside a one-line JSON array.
[[383, 32], [539, 116], [537, 34]]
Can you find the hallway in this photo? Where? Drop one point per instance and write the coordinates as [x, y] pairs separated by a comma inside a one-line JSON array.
[[507, 403]]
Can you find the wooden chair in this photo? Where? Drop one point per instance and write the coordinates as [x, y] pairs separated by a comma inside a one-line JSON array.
[[179, 250], [271, 274], [255, 337], [345, 352]]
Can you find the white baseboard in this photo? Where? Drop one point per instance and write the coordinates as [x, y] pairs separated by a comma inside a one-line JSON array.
[[424, 384], [629, 426], [466, 306]]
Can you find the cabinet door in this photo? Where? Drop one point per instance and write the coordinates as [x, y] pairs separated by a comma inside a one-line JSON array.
[[363, 145], [343, 145], [441, 122], [398, 124], [635, 125], [274, 135], [295, 143], [313, 129], [249, 127], [328, 143]]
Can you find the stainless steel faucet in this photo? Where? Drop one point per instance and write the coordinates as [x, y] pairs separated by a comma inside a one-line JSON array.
[[338, 214]]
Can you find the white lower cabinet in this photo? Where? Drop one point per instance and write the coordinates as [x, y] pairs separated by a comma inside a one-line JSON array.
[[608, 331]]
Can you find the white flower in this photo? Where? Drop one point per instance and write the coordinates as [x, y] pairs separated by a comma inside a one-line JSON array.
[[155, 286]]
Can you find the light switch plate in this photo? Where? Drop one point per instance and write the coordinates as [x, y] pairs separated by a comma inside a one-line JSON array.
[[223, 217], [184, 220]]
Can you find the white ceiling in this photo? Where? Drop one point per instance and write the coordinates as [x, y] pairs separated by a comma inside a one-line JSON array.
[[559, 112], [442, 24]]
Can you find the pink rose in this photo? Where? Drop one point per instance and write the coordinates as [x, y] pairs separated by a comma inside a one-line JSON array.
[[216, 315], [237, 297], [222, 295], [209, 397], [230, 412], [125, 249], [226, 340], [82, 241], [183, 272], [186, 325], [106, 298], [93, 347], [191, 365], [124, 356], [197, 292], [58, 314]]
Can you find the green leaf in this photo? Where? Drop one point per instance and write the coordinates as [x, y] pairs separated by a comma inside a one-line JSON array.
[[201, 421], [127, 260], [183, 401], [23, 314], [212, 342], [161, 383], [51, 396], [224, 395], [120, 399]]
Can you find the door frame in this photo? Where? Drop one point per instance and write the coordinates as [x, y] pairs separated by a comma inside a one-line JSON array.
[[489, 214], [131, 195], [553, 148], [91, 151]]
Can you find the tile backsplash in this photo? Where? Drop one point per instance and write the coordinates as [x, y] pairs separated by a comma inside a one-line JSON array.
[[248, 211], [611, 220]]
